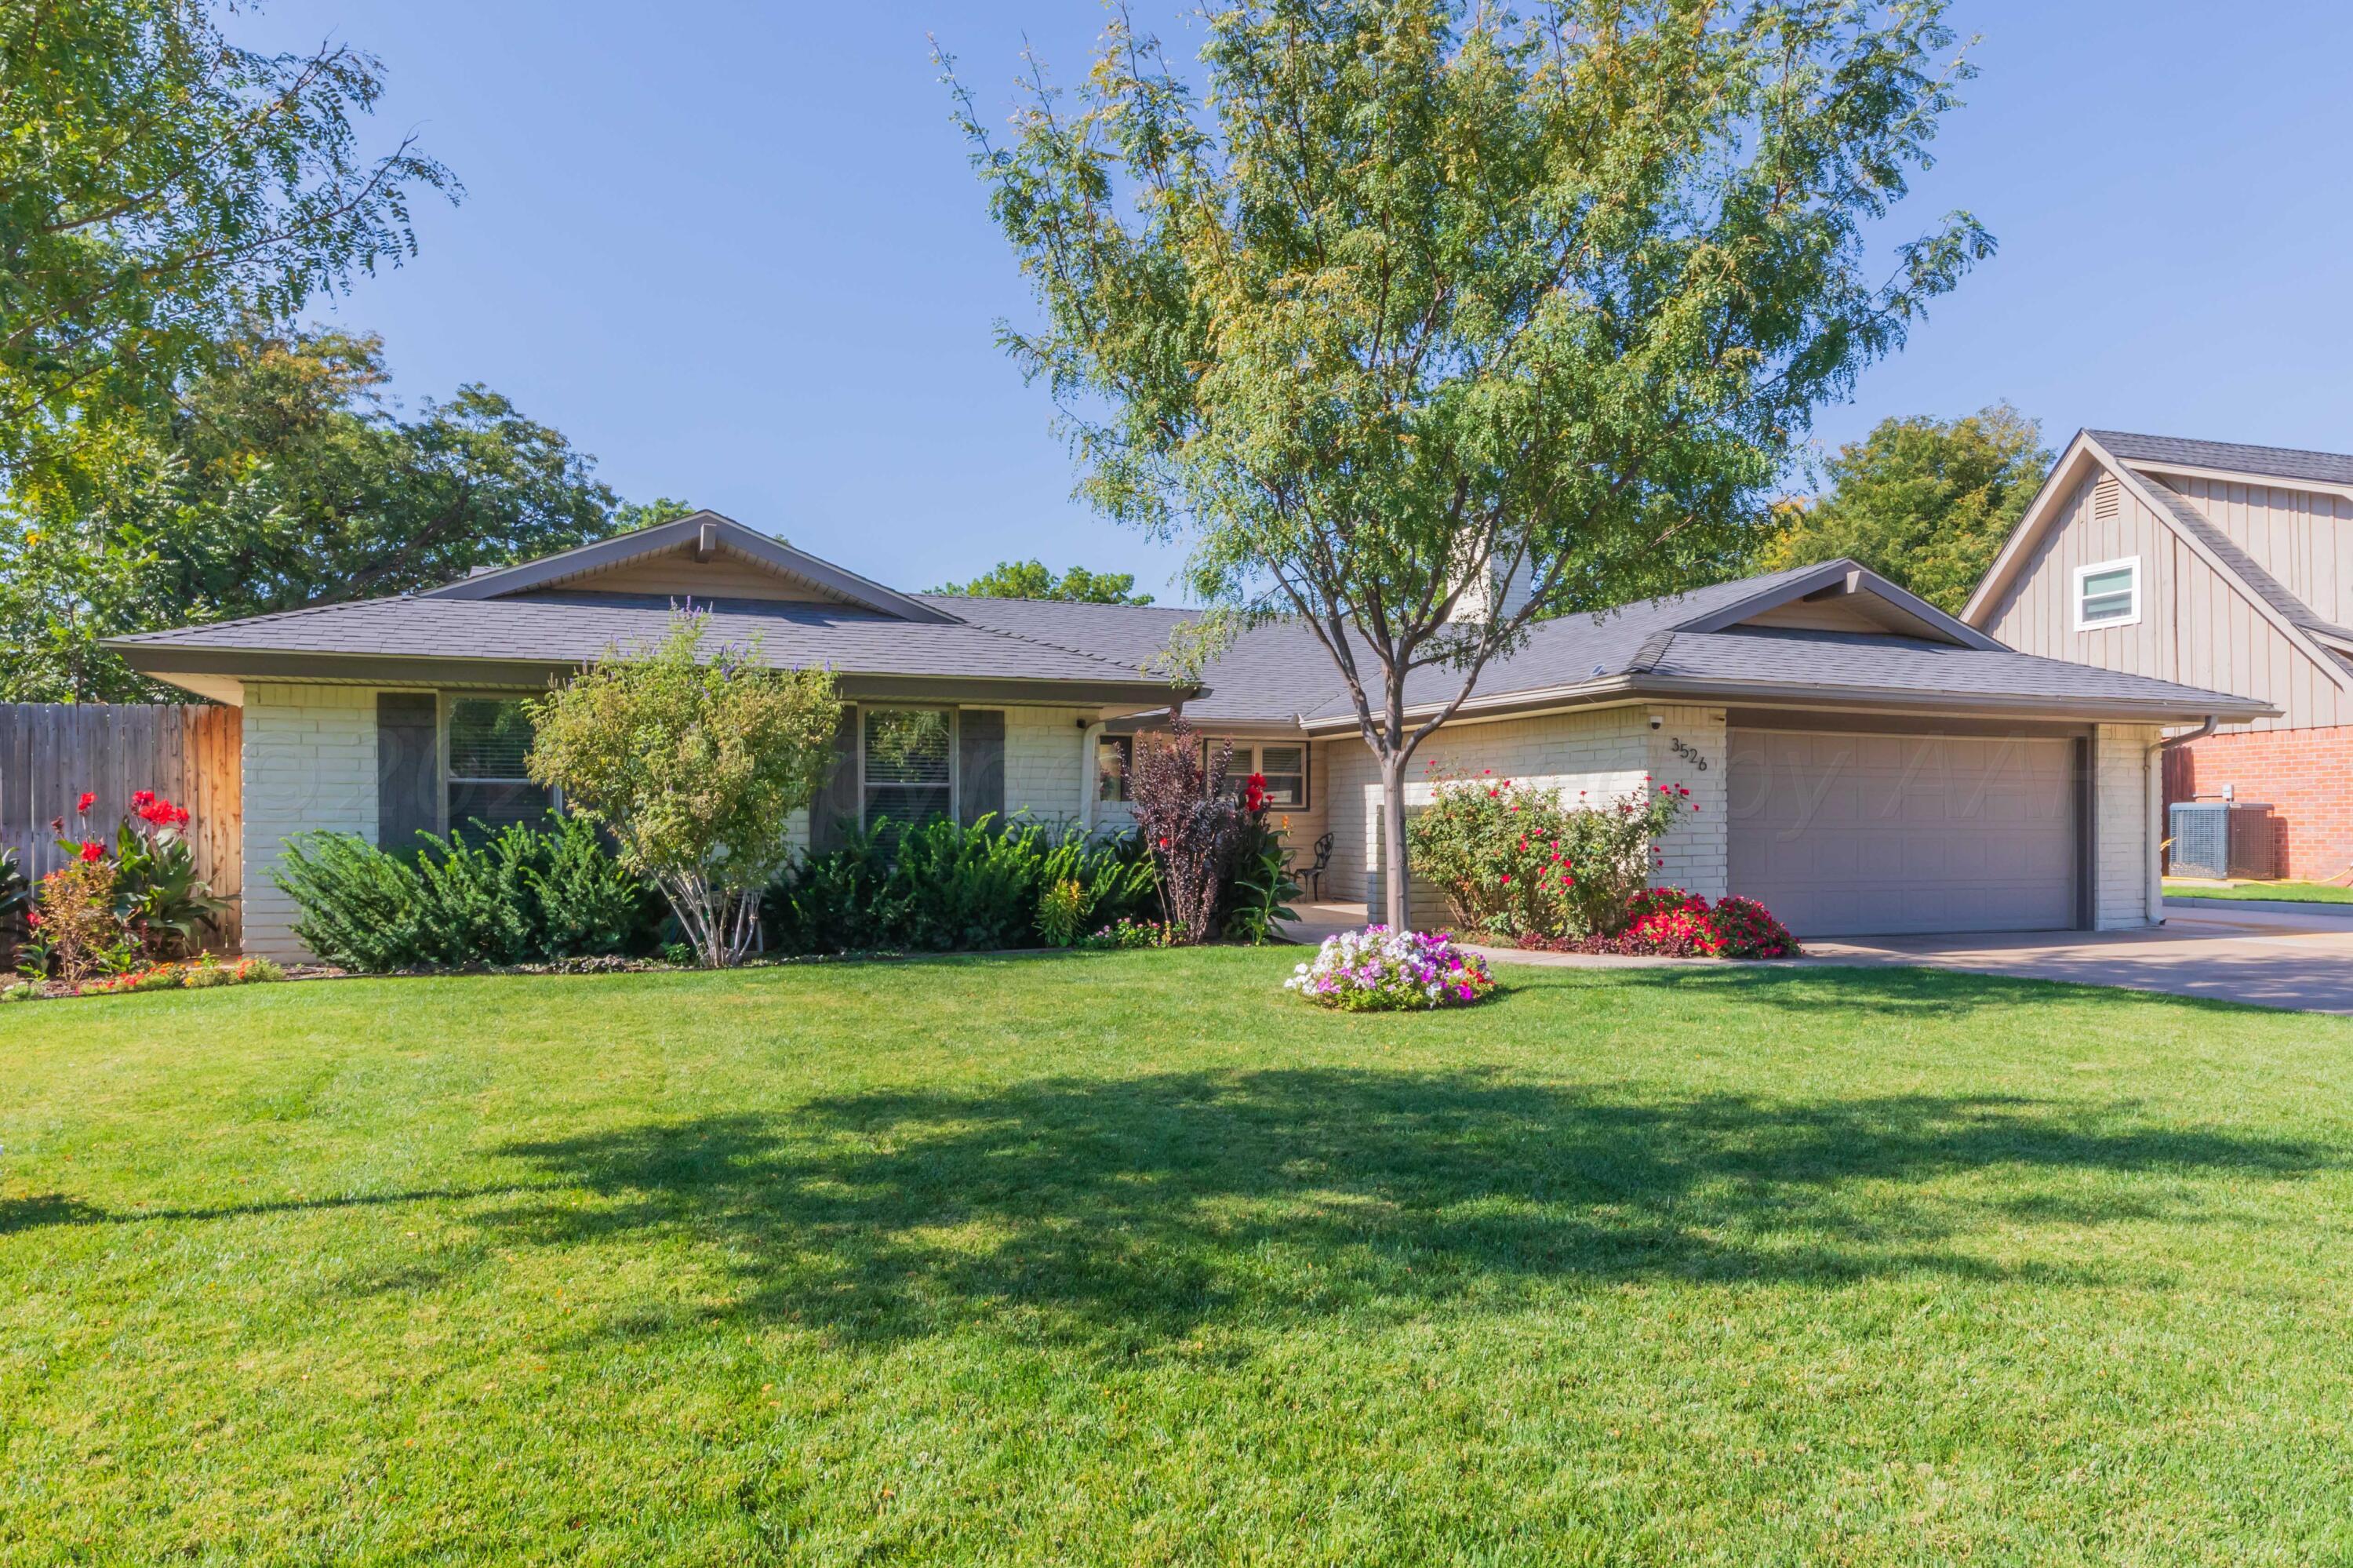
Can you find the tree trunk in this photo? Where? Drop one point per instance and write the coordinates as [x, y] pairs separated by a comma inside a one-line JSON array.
[[1394, 911]]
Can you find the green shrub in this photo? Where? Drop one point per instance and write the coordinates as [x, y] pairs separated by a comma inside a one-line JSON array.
[[1517, 860], [523, 895], [943, 887], [1614, 847], [1498, 851]]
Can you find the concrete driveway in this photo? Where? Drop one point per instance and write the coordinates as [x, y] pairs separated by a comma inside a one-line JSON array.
[[2269, 958], [2300, 960]]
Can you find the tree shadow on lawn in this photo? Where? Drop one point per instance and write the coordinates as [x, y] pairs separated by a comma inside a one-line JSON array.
[[1124, 1212]]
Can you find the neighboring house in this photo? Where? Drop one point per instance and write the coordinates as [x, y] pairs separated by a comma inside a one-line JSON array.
[[1860, 761], [2213, 565]]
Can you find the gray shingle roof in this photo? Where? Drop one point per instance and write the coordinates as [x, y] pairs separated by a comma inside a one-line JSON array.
[[575, 628], [2276, 462], [1276, 674], [1853, 663]]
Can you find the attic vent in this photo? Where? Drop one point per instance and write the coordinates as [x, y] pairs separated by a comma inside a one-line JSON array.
[[2106, 498]]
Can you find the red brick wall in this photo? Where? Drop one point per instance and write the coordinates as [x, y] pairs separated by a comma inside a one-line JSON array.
[[2305, 774]]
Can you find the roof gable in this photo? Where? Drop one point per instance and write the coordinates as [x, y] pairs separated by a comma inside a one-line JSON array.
[[2086, 455], [674, 558], [1839, 595]]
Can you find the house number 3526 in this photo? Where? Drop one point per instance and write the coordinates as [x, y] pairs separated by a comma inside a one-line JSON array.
[[1689, 753]]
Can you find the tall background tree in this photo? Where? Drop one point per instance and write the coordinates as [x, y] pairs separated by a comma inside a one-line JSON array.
[[1035, 579], [158, 187], [280, 476], [1420, 297], [1924, 503], [172, 448]]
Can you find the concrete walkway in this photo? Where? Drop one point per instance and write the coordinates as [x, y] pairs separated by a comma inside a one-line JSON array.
[[2294, 960], [2263, 957]]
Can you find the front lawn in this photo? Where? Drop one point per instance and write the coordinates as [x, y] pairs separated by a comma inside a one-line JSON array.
[[2285, 892], [1132, 1258]]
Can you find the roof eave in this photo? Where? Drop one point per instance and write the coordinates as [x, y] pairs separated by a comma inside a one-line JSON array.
[[1726, 692], [165, 661]]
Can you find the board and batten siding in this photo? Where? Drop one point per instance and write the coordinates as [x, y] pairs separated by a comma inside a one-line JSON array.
[[2197, 627], [2301, 537]]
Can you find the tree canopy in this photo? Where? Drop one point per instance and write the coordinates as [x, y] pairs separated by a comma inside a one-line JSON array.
[[281, 475], [160, 186], [1035, 579], [1924, 503], [1418, 295]]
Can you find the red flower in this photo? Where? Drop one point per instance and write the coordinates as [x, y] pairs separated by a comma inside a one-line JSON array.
[[93, 850], [32, 918], [180, 816], [143, 798], [1507, 879], [56, 824], [89, 796]]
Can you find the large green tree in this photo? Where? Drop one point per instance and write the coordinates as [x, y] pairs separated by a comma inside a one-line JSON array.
[[281, 476], [1421, 295], [160, 186], [1035, 579], [1926, 502]]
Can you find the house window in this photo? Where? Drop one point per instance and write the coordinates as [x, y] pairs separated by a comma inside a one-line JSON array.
[[487, 782], [1282, 765], [2108, 594], [1114, 756], [1285, 767], [909, 756]]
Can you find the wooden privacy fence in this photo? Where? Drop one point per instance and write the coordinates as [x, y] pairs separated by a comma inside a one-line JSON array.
[[51, 752]]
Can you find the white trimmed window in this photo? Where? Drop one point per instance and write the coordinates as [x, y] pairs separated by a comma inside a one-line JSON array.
[[1283, 765], [2107, 593]]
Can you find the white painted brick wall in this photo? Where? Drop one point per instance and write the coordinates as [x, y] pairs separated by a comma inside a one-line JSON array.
[[1698, 848], [2125, 826], [1044, 771], [309, 767]]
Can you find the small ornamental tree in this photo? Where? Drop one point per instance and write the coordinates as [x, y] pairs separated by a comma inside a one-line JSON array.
[[695, 767]]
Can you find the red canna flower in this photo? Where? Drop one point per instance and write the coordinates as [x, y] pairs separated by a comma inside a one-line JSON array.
[[93, 850], [143, 798], [88, 798]]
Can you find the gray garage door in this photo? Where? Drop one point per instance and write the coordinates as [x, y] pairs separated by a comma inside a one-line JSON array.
[[1881, 834]]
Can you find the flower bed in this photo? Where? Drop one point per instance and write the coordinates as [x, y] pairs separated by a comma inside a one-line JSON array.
[[199, 973], [1668, 923], [1380, 970]]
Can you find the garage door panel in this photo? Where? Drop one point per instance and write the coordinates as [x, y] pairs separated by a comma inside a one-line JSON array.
[[1863, 834]]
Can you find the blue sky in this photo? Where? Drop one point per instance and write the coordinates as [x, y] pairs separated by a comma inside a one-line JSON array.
[[734, 251]]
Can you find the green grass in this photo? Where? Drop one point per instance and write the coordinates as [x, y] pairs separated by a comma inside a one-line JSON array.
[[2285, 892], [1128, 1258]]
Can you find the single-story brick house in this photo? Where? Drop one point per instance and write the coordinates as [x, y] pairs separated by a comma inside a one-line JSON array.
[[1861, 761], [2213, 565]]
